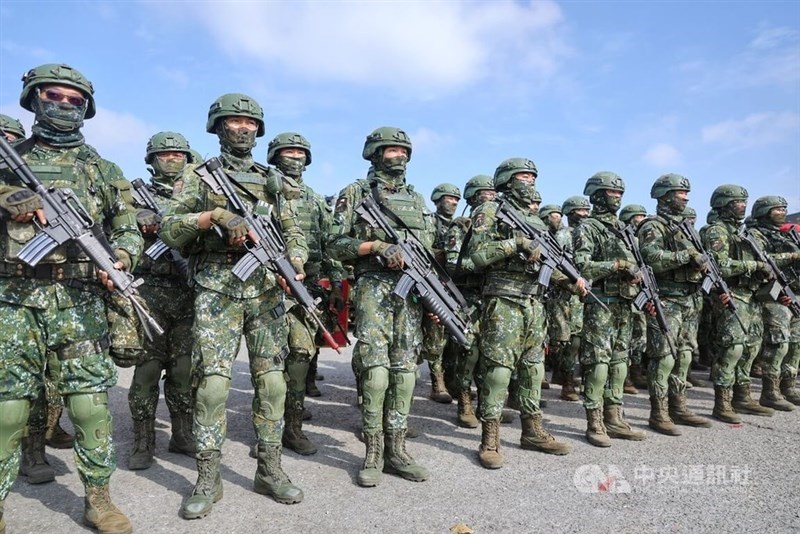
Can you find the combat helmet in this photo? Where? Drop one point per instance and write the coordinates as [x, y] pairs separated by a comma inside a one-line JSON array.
[[238, 105], [763, 205], [576, 202], [445, 189], [508, 168], [168, 142], [669, 182], [477, 184], [55, 74], [10, 124], [547, 209], [288, 140], [630, 211], [726, 193], [604, 180], [689, 213], [385, 136]]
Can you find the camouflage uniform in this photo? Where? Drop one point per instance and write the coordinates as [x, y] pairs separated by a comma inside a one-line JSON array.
[[781, 328], [168, 295], [737, 347], [708, 320], [603, 258], [469, 280], [513, 322], [314, 216], [678, 269], [387, 327], [227, 308], [59, 306], [632, 215]]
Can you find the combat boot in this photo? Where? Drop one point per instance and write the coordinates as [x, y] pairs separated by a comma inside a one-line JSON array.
[[771, 395], [293, 436], [271, 480], [637, 376], [489, 451], [101, 514], [680, 413], [616, 425], [659, 417], [208, 488], [557, 377], [696, 382], [568, 391], [788, 390], [56, 437], [536, 438], [311, 385], [144, 440], [398, 461], [182, 439], [371, 473], [628, 387], [438, 390], [722, 406], [466, 415], [33, 463], [743, 403], [595, 429]]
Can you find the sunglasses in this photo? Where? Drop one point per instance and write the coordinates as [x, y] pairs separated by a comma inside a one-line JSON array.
[[54, 95]]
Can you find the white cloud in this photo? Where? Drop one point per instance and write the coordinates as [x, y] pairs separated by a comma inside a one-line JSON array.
[[662, 155], [755, 130], [178, 77], [422, 47]]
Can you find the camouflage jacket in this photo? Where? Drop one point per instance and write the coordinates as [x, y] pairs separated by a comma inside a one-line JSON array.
[[780, 245], [597, 248], [349, 230], [102, 190], [210, 256], [465, 274], [442, 225], [493, 248], [721, 239], [665, 249]]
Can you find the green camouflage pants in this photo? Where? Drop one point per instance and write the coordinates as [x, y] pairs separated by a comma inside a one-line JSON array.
[[604, 352], [777, 333], [736, 347], [638, 337], [220, 323], [434, 339], [792, 358], [666, 372], [512, 339]]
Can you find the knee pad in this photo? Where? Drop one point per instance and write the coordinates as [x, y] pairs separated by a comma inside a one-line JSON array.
[[90, 417], [211, 397], [13, 418], [374, 383], [297, 371], [270, 395], [402, 385], [495, 384]]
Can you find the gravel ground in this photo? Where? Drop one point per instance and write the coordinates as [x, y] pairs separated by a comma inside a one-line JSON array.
[[721, 479]]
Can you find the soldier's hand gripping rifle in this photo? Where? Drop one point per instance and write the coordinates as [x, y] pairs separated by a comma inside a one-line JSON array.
[[422, 273], [269, 250], [68, 220], [143, 196], [713, 276], [553, 255], [648, 292], [782, 281]]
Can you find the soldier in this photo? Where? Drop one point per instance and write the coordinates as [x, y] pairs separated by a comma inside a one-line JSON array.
[[535, 202], [708, 320], [59, 306], [388, 328], [781, 329], [469, 280], [602, 257], [632, 215], [227, 308], [513, 319], [678, 268], [11, 128], [291, 153], [736, 346], [445, 197], [689, 214], [167, 292]]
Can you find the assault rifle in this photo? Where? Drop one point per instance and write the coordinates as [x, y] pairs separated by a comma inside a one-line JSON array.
[[422, 273], [269, 249], [68, 220], [553, 256], [713, 276], [648, 285], [143, 196], [781, 286]]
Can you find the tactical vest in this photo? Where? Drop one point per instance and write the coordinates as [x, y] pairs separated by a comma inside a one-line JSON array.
[[683, 279], [162, 267], [738, 250], [65, 171], [442, 225], [781, 242], [610, 247], [307, 215]]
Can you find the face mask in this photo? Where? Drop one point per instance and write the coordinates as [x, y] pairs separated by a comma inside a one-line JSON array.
[[395, 166], [60, 116], [240, 140], [447, 209], [291, 166], [606, 202], [524, 191], [168, 167], [575, 218], [674, 204]]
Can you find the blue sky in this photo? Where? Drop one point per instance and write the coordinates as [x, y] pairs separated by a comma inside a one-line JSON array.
[[710, 90]]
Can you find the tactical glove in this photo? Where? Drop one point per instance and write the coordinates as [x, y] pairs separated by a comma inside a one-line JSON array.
[[526, 246], [392, 254], [147, 218], [19, 201], [233, 225], [125, 258], [699, 261]]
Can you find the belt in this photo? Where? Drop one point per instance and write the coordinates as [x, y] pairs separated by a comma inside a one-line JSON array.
[[49, 271], [230, 257]]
